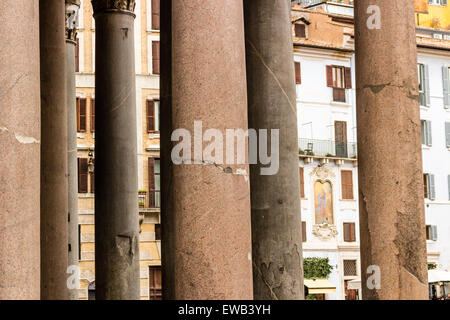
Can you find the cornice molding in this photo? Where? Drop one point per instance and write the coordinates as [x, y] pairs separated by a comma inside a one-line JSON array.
[[124, 6]]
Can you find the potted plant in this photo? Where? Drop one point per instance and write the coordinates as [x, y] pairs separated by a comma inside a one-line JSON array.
[[142, 192], [141, 204]]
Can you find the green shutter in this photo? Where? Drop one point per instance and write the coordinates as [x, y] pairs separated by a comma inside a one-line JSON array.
[[432, 188], [447, 134]]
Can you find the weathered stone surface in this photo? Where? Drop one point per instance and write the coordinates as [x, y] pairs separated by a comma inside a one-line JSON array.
[[389, 147], [116, 197], [275, 199], [20, 150], [206, 227], [54, 202], [72, 7]]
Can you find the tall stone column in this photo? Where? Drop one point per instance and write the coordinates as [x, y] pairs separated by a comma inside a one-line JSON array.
[[275, 198], [20, 132], [211, 238], [393, 246], [54, 207], [168, 251], [72, 7], [116, 194]]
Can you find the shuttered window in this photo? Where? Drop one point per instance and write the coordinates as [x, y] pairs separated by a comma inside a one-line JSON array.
[[303, 231], [298, 73], [347, 184], [82, 175], [429, 186], [92, 177], [154, 181], [448, 182], [339, 78], [155, 283], [81, 114], [155, 14], [349, 232], [447, 134], [152, 116], [300, 31], [424, 84], [302, 182], [427, 137], [93, 115], [431, 232], [158, 231], [446, 86], [156, 57]]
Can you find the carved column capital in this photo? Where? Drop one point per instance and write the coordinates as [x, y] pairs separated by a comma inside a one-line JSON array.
[[72, 9], [124, 6]]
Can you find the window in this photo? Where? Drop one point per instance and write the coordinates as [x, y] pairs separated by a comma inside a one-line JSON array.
[[349, 232], [158, 232], [429, 186], [427, 138], [438, 2], [448, 182], [300, 31], [347, 184], [339, 78], [340, 136], [424, 90], [302, 183], [156, 57], [155, 283], [350, 268], [446, 86], [82, 175], [431, 232], [81, 114], [79, 242], [155, 14], [154, 177], [92, 114], [153, 116], [91, 291], [447, 134], [303, 231], [298, 73]]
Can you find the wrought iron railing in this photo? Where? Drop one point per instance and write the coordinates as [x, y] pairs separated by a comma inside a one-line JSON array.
[[150, 199], [327, 148]]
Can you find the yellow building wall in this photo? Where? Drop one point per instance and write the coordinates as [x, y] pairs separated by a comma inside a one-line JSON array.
[[149, 247], [438, 17]]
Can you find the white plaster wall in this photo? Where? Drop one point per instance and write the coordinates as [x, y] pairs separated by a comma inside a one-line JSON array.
[[436, 159]]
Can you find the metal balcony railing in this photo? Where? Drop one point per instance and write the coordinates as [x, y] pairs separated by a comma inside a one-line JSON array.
[[327, 148], [150, 199]]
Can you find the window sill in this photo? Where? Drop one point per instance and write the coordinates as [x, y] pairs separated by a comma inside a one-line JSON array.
[[348, 200], [425, 147], [340, 104], [81, 135]]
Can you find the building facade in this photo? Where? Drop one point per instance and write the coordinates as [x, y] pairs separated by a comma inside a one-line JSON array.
[[147, 136], [324, 57]]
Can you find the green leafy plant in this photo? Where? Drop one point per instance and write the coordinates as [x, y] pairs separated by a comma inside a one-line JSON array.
[[300, 151], [316, 268], [432, 266], [329, 155], [310, 297]]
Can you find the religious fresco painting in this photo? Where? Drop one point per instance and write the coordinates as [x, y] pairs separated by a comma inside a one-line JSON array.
[[323, 202]]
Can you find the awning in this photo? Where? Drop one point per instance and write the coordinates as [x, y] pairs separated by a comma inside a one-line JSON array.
[[438, 276], [318, 286], [354, 284]]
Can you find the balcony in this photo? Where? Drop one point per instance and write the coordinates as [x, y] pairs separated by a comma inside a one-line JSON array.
[[150, 201], [327, 148]]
